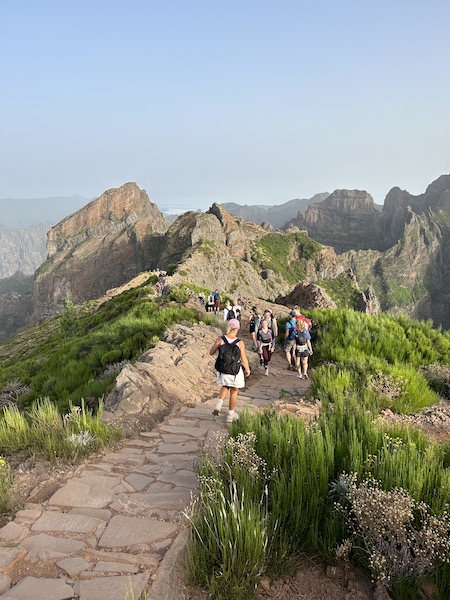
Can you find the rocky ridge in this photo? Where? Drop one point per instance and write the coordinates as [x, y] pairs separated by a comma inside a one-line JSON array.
[[346, 219], [401, 254]]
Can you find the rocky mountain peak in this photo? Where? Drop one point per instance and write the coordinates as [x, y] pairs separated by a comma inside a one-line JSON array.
[[115, 210], [99, 247], [351, 201], [345, 219]]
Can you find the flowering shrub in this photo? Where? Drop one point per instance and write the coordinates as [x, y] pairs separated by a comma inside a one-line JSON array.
[[402, 539], [230, 534], [438, 378], [237, 453], [386, 386]]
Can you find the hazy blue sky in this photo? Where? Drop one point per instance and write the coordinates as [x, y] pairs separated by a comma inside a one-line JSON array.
[[254, 102]]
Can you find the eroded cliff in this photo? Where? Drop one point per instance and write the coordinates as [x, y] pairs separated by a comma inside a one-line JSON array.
[[100, 246]]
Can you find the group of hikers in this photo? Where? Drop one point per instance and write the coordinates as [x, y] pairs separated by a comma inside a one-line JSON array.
[[211, 302], [232, 363]]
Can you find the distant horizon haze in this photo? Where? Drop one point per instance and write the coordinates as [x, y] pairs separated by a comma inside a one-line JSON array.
[[250, 102]]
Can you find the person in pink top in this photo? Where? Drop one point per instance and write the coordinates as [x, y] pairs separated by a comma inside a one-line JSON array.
[[230, 382]]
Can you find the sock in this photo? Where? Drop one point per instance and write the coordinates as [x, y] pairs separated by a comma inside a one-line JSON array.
[[231, 412]]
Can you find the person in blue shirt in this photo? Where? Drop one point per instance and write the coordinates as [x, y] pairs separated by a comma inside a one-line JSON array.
[[289, 340]]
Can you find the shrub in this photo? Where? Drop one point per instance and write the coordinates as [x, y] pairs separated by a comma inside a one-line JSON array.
[[181, 296], [171, 269], [44, 432], [66, 370], [401, 537]]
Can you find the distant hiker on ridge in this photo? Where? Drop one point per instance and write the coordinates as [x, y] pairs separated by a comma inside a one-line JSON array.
[[216, 297]]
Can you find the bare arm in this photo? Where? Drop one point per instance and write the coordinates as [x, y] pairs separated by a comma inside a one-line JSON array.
[[215, 346], [244, 358]]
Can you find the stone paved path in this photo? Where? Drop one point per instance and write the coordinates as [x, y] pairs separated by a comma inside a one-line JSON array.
[[115, 528]]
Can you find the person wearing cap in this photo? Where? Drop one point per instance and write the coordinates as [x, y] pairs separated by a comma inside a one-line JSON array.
[[230, 383]]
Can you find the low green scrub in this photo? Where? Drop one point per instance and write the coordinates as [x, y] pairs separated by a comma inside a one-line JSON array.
[[78, 354], [345, 487], [6, 481], [385, 357], [275, 489], [42, 431], [286, 254], [342, 290]]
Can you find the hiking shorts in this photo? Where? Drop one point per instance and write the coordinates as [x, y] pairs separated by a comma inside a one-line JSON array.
[[233, 381], [288, 345], [301, 353]]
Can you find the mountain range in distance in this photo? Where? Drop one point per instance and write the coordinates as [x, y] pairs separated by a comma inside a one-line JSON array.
[[22, 213]]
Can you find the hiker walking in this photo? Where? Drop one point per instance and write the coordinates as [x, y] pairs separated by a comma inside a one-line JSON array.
[[237, 309], [216, 298], [289, 340], [232, 367], [210, 303], [228, 312], [299, 316], [265, 340], [253, 325], [271, 320], [303, 349]]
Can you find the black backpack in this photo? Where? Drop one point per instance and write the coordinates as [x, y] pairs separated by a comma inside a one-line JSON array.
[[230, 314], [229, 359], [300, 337]]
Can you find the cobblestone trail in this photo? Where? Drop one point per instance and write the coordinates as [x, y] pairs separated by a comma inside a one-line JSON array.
[[116, 527]]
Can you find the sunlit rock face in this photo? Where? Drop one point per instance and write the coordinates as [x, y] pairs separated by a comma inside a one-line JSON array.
[[102, 245]]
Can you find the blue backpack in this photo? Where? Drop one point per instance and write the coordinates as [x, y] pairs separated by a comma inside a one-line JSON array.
[[292, 332]]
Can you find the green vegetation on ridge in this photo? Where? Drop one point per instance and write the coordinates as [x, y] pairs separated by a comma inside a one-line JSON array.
[[286, 254], [78, 353]]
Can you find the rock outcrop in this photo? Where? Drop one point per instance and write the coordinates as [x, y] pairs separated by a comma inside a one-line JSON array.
[[346, 219], [308, 297], [101, 246], [169, 375], [277, 215]]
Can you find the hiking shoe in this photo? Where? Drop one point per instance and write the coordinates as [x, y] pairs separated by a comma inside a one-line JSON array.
[[217, 407], [299, 376], [233, 417]]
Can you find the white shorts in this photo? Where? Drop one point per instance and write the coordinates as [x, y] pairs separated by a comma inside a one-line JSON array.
[[234, 381]]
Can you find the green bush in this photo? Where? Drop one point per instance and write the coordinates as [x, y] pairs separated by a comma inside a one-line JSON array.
[[171, 269], [67, 370], [43, 431], [289, 468], [179, 295], [286, 254]]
